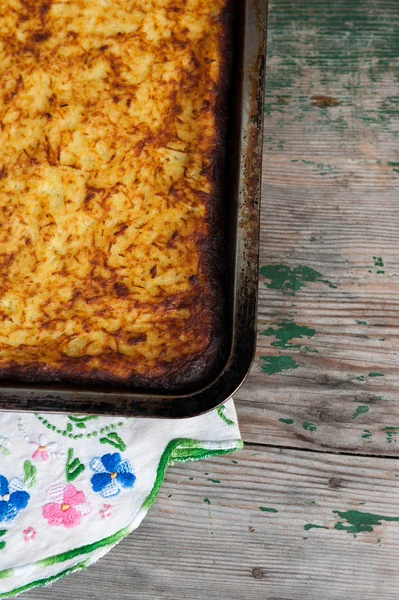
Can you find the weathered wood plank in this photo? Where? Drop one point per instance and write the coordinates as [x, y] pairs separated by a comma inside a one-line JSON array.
[[227, 547], [328, 320]]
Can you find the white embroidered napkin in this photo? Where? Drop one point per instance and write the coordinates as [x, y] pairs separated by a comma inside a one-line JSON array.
[[71, 487]]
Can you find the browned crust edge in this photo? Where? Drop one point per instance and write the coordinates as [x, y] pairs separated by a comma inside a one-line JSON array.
[[200, 370]]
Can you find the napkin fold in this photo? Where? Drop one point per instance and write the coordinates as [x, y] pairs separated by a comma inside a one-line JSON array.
[[72, 486]]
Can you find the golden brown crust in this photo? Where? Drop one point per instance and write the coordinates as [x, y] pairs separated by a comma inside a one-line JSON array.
[[111, 138]]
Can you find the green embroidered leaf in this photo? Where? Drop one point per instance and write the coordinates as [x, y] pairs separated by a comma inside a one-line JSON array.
[[80, 421], [221, 414], [115, 441], [30, 474], [3, 532], [5, 445], [2, 545], [73, 467]]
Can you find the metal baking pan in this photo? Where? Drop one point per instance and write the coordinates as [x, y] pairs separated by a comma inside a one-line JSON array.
[[242, 195]]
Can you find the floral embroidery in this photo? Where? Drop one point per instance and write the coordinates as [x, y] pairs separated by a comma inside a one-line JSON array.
[[42, 449], [3, 543], [79, 422], [111, 473], [68, 506], [73, 466], [13, 498], [30, 474], [29, 534], [106, 511], [91, 427], [115, 440], [5, 445]]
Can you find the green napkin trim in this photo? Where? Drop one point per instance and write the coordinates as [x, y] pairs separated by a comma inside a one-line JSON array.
[[178, 450]]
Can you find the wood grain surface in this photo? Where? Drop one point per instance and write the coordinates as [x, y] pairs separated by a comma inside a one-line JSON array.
[[328, 335], [279, 525], [311, 512]]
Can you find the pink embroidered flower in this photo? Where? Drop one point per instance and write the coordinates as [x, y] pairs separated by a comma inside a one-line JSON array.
[[42, 449], [106, 511], [29, 534], [68, 506]]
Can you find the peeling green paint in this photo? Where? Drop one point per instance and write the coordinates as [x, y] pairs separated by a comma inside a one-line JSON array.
[[358, 521], [290, 280], [321, 168], [366, 434], [333, 42], [390, 432], [309, 426], [214, 480], [277, 364], [378, 262], [314, 526], [286, 331], [207, 500], [270, 510], [361, 322], [371, 375], [310, 349], [361, 410], [287, 421]]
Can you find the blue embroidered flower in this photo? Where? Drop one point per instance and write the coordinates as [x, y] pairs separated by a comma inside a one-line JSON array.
[[12, 498], [111, 474]]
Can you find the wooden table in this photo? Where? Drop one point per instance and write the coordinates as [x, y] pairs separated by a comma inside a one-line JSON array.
[[309, 509]]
